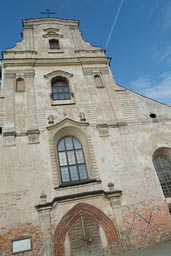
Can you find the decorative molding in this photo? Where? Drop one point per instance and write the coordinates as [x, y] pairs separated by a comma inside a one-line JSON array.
[[28, 26], [50, 62], [96, 215], [117, 125], [92, 158], [58, 73], [103, 130], [78, 183], [51, 21], [73, 27], [29, 74], [55, 51], [52, 34], [10, 75], [65, 121], [78, 129], [63, 102], [9, 138], [106, 194], [10, 133], [18, 52], [33, 136], [51, 30], [84, 51], [96, 70]]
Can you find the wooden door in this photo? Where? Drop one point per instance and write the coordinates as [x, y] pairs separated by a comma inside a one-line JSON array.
[[85, 238]]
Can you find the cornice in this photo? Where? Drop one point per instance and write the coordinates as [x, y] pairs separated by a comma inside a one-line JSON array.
[[50, 21], [9, 75], [106, 194], [95, 70], [18, 62]]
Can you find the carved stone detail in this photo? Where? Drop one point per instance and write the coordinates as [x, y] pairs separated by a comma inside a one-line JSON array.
[[58, 73], [33, 136], [9, 139], [92, 71], [103, 130]]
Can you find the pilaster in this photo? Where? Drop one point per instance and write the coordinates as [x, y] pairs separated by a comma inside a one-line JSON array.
[[9, 89], [45, 224], [76, 38], [31, 101]]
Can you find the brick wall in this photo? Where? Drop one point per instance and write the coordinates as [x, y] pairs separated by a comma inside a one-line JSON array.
[[19, 231], [146, 223]]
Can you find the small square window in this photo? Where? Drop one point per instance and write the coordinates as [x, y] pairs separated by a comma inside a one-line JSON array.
[[54, 44]]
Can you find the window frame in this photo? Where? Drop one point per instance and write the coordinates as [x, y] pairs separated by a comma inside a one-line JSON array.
[[22, 239], [68, 165], [52, 43], [54, 75], [55, 84], [162, 172], [81, 131]]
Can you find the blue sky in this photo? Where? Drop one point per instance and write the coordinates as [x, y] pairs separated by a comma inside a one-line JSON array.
[[139, 42]]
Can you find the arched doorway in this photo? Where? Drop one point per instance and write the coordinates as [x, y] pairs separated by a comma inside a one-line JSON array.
[[85, 217], [84, 238]]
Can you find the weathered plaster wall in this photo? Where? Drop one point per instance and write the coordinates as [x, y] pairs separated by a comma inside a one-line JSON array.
[[119, 139]]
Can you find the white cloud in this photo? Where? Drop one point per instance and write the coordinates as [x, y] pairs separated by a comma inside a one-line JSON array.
[[166, 55], [152, 12], [158, 89]]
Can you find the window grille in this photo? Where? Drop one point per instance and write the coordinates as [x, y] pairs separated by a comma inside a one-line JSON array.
[[163, 169], [60, 89], [71, 160]]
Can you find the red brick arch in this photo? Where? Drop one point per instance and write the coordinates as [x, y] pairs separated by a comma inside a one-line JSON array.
[[89, 211]]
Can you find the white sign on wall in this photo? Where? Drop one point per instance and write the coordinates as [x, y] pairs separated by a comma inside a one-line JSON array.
[[21, 245]]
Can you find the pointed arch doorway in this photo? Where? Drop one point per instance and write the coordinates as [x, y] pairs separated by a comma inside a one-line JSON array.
[[87, 220], [84, 238]]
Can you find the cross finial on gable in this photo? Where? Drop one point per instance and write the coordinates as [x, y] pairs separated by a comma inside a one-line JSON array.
[[48, 12]]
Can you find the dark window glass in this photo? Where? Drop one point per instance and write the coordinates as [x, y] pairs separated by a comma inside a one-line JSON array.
[[60, 89], [71, 160], [163, 169], [54, 44]]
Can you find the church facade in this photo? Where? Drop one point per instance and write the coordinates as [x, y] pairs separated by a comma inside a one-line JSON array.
[[85, 163]]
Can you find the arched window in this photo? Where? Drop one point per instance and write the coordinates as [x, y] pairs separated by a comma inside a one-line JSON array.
[[20, 85], [60, 89], [98, 81], [71, 160], [54, 44], [163, 168]]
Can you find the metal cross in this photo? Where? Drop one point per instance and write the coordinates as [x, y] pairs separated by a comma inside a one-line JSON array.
[[48, 12]]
